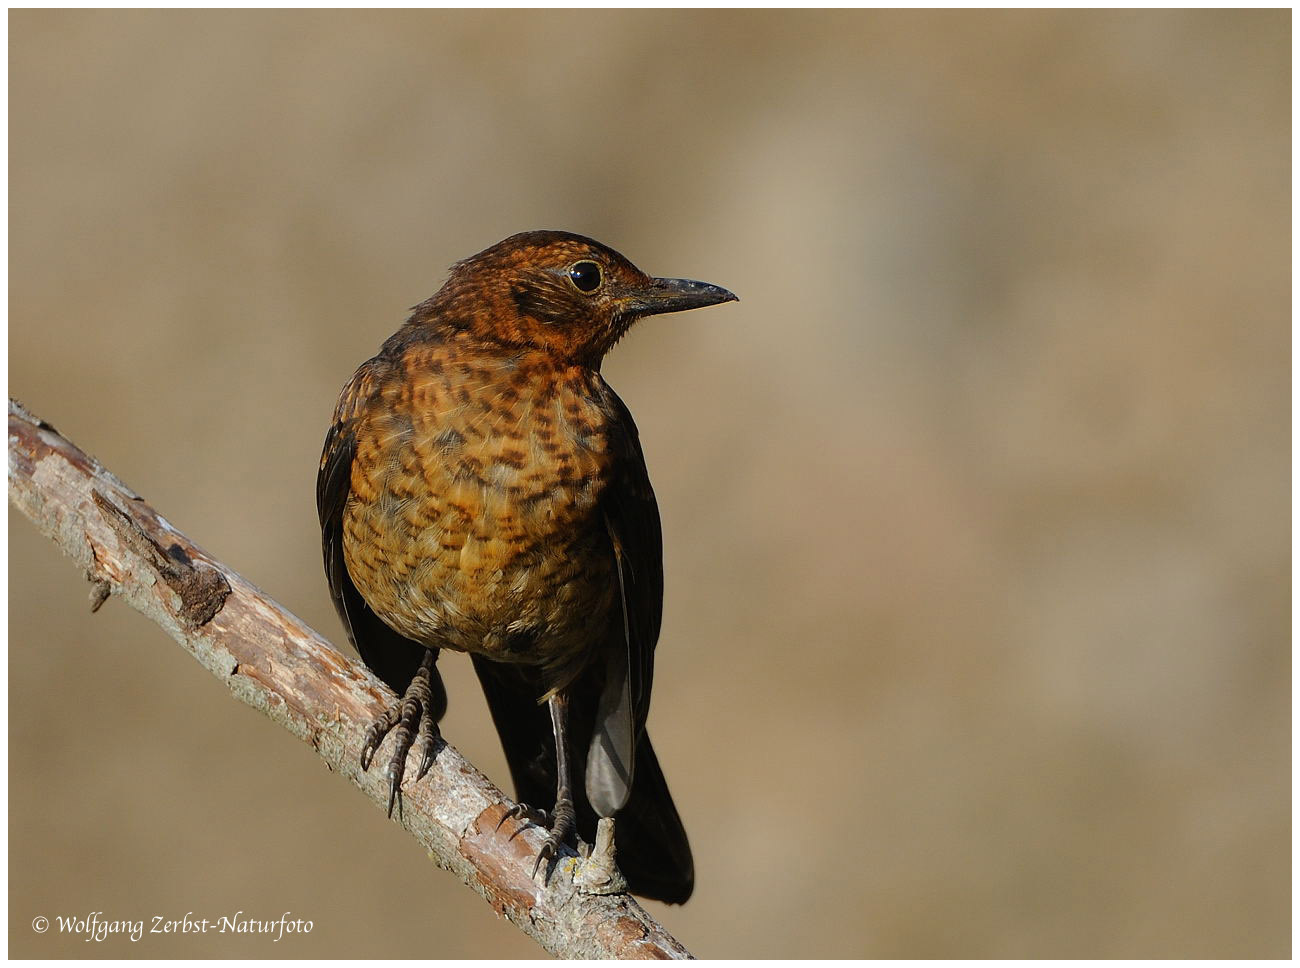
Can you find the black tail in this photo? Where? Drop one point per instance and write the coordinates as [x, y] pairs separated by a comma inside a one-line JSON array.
[[652, 850]]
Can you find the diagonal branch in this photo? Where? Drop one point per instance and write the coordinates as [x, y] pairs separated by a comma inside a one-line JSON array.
[[275, 663]]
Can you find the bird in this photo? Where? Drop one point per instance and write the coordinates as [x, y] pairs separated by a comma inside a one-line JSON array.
[[482, 489]]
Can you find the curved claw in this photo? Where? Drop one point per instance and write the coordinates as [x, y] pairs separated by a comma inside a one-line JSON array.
[[375, 734], [510, 814], [394, 791], [522, 811], [547, 853]]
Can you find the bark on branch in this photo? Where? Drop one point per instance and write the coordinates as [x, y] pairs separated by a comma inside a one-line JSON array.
[[271, 660]]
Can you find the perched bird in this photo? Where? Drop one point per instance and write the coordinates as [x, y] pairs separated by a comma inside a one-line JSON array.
[[483, 489]]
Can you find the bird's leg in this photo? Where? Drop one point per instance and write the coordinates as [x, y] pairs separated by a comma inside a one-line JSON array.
[[564, 817], [417, 712]]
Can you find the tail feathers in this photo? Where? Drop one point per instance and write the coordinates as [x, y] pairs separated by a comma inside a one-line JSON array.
[[652, 850]]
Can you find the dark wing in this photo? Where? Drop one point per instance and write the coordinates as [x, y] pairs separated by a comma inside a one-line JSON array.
[[392, 657], [633, 518], [636, 543], [653, 851]]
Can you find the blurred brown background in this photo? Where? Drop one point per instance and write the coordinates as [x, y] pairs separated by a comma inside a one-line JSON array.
[[976, 507]]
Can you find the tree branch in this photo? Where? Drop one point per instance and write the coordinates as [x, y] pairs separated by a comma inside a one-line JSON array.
[[271, 660]]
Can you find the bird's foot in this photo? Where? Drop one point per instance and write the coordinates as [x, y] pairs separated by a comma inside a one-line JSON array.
[[597, 873], [407, 719], [561, 823]]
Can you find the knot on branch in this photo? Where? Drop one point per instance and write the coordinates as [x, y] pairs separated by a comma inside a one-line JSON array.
[[202, 589]]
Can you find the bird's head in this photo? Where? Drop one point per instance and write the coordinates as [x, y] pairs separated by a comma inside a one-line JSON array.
[[557, 292]]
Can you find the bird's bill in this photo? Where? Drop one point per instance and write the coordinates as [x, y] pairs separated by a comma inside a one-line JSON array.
[[675, 295]]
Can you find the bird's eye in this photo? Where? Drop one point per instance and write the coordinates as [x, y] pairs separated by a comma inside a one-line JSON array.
[[585, 275]]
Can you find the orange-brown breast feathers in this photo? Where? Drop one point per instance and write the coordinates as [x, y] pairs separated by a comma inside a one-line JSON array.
[[473, 513]]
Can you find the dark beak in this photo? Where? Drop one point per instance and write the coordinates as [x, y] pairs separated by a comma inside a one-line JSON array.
[[674, 295]]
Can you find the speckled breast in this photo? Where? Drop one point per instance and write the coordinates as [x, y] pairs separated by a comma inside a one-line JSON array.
[[473, 521]]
